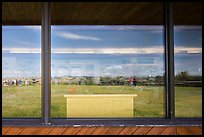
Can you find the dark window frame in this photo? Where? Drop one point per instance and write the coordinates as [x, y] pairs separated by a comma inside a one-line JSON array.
[[46, 120]]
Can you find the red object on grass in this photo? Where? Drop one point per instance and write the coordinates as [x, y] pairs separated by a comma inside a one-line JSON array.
[[72, 90]]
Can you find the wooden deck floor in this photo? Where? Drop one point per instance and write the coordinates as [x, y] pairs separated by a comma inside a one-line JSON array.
[[101, 130]]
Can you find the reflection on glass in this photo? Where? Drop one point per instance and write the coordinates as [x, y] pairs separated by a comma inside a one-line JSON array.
[[21, 71], [107, 71], [188, 71]]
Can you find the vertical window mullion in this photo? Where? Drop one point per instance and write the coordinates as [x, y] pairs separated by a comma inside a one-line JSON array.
[[46, 62], [169, 60]]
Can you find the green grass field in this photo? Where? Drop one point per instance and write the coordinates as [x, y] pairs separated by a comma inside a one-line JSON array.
[[25, 101]]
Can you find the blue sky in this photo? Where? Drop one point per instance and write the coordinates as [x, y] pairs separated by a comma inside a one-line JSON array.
[[100, 50]]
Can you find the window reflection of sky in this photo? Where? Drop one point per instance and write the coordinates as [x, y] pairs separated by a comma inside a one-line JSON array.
[[110, 50]]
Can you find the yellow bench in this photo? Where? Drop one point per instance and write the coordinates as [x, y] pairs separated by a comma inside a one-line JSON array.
[[100, 105]]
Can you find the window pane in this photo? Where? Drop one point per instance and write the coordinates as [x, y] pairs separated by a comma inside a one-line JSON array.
[[107, 71], [188, 71], [188, 58], [21, 71]]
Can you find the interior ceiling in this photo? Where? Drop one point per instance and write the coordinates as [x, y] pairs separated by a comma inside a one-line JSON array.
[[100, 13]]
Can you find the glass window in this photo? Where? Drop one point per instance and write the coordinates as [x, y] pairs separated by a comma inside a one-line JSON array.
[[104, 70], [21, 77], [188, 71], [107, 71], [188, 59]]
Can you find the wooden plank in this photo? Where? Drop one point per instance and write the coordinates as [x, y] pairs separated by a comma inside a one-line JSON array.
[[183, 131], [42, 131], [169, 131], [142, 130], [4, 130], [86, 131], [156, 131], [102, 130], [99, 130], [14, 130], [105, 13], [114, 130], [57, 131], [72, 131], [28, 130], [128, 131], [195, 130]]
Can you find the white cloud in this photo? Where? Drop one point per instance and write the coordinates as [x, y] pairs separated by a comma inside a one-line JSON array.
[[108, 50], [187, 50], [149, 28], [69, 35], [157, 31], [104, 27], [24, 43], [35, 28], [103, 50], [21, 50], [114, 67], [187, 27], [181, 28]]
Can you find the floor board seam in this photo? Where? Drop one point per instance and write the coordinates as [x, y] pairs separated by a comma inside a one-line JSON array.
[[78, 131], [7, 130], [50, 131], [65, 131], [134, 131], [21, 131], [121, 130], [149, 130], [164, 130]]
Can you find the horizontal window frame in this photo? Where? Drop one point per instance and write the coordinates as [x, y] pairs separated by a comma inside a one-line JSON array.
[[101, 122], [168, 120]]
